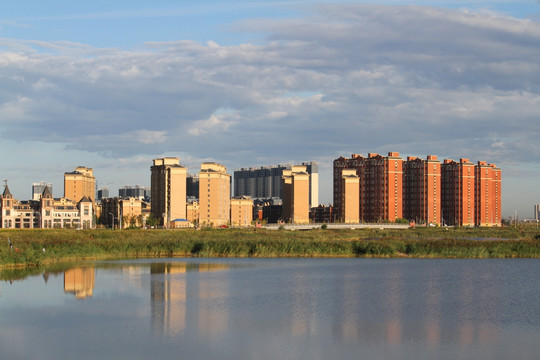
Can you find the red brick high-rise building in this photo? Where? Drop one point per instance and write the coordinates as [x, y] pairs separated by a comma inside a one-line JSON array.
[[422, 190], [453, 193], [382, 191], [380, 197], [458, 199], [487, 194]]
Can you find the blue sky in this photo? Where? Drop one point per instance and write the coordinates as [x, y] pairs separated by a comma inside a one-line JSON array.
[[113, 84]]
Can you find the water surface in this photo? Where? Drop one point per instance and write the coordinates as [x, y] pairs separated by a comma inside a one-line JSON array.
[[276, 309]]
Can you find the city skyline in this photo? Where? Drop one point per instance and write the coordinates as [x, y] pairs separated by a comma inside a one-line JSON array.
[[113, 86]]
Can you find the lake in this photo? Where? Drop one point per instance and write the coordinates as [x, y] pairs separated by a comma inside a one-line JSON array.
[[276, 309]]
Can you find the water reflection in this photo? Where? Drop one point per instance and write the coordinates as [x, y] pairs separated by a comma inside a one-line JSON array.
[[312, 308], [169, 289], [78, 281]]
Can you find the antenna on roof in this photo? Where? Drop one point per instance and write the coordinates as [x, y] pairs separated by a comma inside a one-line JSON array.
[[5, 182]]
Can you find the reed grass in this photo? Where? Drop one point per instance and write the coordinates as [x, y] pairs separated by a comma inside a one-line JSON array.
[[74, 245]]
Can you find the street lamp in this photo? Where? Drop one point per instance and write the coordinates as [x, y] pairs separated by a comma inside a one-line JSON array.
[[112, 220]]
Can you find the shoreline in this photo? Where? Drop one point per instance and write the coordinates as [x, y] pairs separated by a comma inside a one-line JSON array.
[[44, 247]]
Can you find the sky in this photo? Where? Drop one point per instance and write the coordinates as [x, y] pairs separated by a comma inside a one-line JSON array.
[[112, 85]]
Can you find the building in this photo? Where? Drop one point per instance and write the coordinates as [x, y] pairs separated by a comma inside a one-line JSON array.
[[536, 212], [137, 191], [382, 188], [214, 195], [103, 193], [45, 213], [356, 161], [80, 183], [38, 188], [487, 194], [122, 213], [350, 202], [322, 214], [265, 182], [458, 196], [241, 211], [422, 190], [192, 187], [168, 189], [296, 195], [192, 212]]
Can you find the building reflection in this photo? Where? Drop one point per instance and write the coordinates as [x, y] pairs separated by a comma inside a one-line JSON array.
[[173, 292], [79, 281]]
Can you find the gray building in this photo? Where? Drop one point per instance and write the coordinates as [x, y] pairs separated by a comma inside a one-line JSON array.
[[103, 193], [265, 182], [137, 191], [38, 188], [192, 187]]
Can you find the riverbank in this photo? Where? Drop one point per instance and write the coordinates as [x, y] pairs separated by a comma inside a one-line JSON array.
[[38, 247]]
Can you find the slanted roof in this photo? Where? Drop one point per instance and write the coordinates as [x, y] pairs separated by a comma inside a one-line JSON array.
[[46, 192], [6, 191], [85, 199]]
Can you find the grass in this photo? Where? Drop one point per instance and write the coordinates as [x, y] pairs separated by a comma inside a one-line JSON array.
[[77, 245]]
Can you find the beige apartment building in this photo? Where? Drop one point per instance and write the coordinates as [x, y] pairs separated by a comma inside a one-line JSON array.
[[350, 203], [296, 195], [122, 212], [192, 212], [214, 195], [168, 189], [241, 211], [80, 183]]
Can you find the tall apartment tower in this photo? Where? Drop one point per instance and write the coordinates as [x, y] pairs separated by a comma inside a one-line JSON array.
[[422, 190], [381, 186], [80, 183], [350, 204], [487, 194], [536, 212], [312, 168], [192, 184], [458, 197], [296, 195], [214, 194], [355, 162], [168, 189], [382, 192]]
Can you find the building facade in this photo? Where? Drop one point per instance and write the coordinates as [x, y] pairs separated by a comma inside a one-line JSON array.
[[38, 188], [422, 190], [214, 195], [350, 202], [45, 213], [458, 196], [137, 191], [80, 183], [426, 191], [296, 195], [168, 189], [103, 193], [241, 211], [266, 182], [487, 194], [122, 213]]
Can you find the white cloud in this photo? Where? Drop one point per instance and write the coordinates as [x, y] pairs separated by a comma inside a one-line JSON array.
[[347, 78]]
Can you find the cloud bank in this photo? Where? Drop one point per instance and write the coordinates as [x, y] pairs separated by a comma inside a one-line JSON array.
[[342, 79]]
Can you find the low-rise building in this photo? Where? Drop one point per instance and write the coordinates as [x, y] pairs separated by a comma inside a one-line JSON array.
[[241, 211], [45, 213]]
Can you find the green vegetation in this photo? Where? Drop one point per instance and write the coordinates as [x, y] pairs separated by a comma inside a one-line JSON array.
[[76, 245]]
